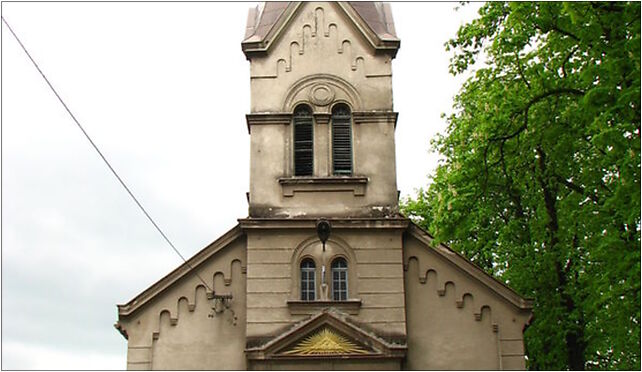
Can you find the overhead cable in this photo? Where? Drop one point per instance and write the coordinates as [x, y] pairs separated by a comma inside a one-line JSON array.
[[113, 171]]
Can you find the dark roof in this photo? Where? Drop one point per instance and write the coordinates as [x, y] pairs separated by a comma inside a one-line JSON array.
[[378, 16], [264, 17]]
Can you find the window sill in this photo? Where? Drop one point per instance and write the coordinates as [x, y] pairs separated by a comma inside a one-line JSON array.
[[356, 184], [298, 307]]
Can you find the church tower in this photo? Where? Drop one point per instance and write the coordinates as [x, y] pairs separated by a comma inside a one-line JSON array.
[[322, 127], [324, 273]]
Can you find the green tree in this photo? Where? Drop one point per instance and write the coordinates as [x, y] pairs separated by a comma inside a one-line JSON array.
[[541, 179]]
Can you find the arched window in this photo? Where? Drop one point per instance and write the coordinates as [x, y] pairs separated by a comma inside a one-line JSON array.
[[339, 279], [341, 140], [303, 141], [308, 284]]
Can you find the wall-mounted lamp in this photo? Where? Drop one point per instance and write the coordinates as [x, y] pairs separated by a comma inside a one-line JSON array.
[[323, 230]]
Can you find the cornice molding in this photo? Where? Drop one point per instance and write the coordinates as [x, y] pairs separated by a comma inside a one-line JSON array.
[[373, 117], [399, 223], [472, 270], [178, 273], [299, 307], [291, 185], [268, 118], [321, 118]]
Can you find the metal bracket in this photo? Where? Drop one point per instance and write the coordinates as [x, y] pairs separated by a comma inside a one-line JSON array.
[[221, 304]]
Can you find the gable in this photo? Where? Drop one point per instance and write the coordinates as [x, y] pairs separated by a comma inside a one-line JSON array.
[[267, 21], [475, 320], [185, 270], [312, 37], [451, 260], [310, 42], [204, 296]]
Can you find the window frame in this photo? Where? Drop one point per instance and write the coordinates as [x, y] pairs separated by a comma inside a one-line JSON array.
[[339, 292], [308, 279], [302, 112], [336, 127]]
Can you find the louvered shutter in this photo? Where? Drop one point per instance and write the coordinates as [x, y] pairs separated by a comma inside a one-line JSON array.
[[303, 141], [341, 140]]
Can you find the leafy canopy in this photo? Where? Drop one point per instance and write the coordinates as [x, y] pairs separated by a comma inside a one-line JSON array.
[[541, 179]]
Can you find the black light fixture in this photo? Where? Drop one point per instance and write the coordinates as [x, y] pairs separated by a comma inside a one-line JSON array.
[[323, 230]]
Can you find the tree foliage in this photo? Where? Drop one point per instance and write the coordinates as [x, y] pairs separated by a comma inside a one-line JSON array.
[[541, 179]]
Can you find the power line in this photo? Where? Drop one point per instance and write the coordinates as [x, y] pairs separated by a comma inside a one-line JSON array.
[[103, 157]]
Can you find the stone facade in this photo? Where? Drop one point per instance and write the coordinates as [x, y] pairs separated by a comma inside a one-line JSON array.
[[406, 303]]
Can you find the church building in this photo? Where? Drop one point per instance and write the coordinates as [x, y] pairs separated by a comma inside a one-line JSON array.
[[324, 272]]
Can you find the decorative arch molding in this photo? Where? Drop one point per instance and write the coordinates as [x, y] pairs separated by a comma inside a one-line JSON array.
[[312, 240], [311, 248], [320, 90]]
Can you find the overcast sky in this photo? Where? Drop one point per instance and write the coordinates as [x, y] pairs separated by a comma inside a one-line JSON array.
[[162, 88]]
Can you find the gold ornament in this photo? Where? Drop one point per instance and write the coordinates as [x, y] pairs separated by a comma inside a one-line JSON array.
[[325, 342]]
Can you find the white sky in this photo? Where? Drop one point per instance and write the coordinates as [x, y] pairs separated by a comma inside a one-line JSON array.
[[162, 88]]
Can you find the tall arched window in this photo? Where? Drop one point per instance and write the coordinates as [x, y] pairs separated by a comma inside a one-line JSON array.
[[341, 140], [303, 141], [308, 283], [339, 279]]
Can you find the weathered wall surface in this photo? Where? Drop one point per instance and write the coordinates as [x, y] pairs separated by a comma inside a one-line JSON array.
[[174, 330], [271, 161], [320, 39], [328, 365], [455, 322], [321, 59], [375, 277]]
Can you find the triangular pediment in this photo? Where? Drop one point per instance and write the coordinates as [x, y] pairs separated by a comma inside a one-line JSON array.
[[325, 341], [329, 334], [266, 24]]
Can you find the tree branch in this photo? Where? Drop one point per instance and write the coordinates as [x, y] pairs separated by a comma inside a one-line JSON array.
[[521, 71], [566, 59], [534, 100], [576, 188]]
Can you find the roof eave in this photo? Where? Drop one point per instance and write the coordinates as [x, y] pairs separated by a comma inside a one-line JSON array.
[[252, 48], [389, 43], [125, 310]]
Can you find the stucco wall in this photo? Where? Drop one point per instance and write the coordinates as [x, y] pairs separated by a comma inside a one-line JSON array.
[[454, 321], [321, 47], [271, 159], [174, 330], [375, 277], [328, 365]]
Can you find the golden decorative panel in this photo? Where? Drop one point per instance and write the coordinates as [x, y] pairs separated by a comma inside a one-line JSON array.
[[325, 342]]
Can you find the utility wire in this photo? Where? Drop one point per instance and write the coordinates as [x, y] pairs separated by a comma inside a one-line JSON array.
[[103, 157]]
